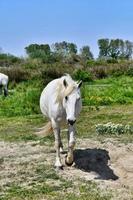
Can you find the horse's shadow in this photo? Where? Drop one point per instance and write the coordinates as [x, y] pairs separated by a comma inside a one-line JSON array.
[[94, 160]]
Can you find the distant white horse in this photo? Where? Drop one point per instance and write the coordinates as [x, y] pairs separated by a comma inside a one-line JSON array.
[[4, 83], [61, 101]]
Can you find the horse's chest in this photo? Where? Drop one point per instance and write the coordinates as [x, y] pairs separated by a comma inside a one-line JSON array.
[[61, 114]]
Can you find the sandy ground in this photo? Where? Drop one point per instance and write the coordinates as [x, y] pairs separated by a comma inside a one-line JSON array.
[[109, 163]]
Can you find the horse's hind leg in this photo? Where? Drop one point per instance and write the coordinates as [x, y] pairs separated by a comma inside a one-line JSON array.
[[0, 89], [56, 130], [5, 91]]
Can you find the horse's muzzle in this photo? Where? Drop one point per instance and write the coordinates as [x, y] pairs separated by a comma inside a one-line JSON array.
[[71, 122]]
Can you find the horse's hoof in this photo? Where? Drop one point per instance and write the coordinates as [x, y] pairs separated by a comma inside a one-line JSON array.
[[68, 164], [58, 168], [61, 150]]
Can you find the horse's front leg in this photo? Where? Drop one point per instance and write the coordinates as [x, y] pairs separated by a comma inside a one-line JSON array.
[[71, 144], [56, 130]]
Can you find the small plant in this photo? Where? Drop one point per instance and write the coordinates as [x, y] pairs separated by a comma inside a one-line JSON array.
[[111, 128]]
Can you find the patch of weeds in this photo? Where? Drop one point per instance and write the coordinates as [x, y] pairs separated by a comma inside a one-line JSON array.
[[46, 172], [20, 128], [48, 139], [27, 137], [1, 161], [20, 193], [85, 191]]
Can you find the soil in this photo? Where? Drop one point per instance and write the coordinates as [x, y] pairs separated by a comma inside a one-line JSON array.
[[108, 163]]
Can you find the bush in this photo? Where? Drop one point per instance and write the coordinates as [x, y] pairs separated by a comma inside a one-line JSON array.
[[49, 74], [16, 74], [129, 71], [7, 59], [32, 63], [111, 128], [99, 72], [105, 68], [112, 60], [56, 70], [82, 75]]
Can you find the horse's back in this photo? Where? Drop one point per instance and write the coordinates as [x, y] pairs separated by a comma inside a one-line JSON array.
[[47, 97]]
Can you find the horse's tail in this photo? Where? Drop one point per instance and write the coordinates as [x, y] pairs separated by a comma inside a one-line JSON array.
[[46, 130]]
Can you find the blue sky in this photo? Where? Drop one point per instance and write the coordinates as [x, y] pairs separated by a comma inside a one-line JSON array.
[[83, 22]]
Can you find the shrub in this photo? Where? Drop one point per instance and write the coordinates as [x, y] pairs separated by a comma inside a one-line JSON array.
[[7, 59], [111, 128], [33, 64], [49, 74], [99, 72], [112, 60], [56, 70], [16, 74], [111, 69], [129, 71], [82, 75]]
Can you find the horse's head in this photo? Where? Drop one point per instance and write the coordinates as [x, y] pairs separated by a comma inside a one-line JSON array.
[[72, 101]]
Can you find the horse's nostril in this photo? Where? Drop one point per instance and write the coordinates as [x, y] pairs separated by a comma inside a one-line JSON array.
[[71, 122]]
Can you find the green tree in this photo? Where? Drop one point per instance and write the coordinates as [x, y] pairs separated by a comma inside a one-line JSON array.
[[42, 51], [103, 45], [64, 49], [115, 49], [72, 48], [85, 53], [128, 49]]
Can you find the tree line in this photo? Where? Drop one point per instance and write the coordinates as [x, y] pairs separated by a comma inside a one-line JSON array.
[[109, 49], [59, 51], [115, 49]]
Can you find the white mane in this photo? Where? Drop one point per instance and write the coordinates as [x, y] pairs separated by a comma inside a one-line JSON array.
[[61, 90]]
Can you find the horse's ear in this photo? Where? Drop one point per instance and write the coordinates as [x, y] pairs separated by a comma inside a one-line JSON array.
[[65, 83], [79, 84]]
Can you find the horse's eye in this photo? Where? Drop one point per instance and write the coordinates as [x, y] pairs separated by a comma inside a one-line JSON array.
[[66, 97]]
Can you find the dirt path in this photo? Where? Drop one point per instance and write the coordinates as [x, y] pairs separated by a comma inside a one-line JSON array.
[[109, 163]]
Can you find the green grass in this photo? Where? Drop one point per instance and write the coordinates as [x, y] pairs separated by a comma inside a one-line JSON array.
[[22, 100], [86, 192], [19, 128], [49, 185], [90, 117], [22, 128], [109, 91]]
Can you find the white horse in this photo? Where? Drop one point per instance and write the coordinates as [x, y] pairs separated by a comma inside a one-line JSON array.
[[61, 101], [4, 83]]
